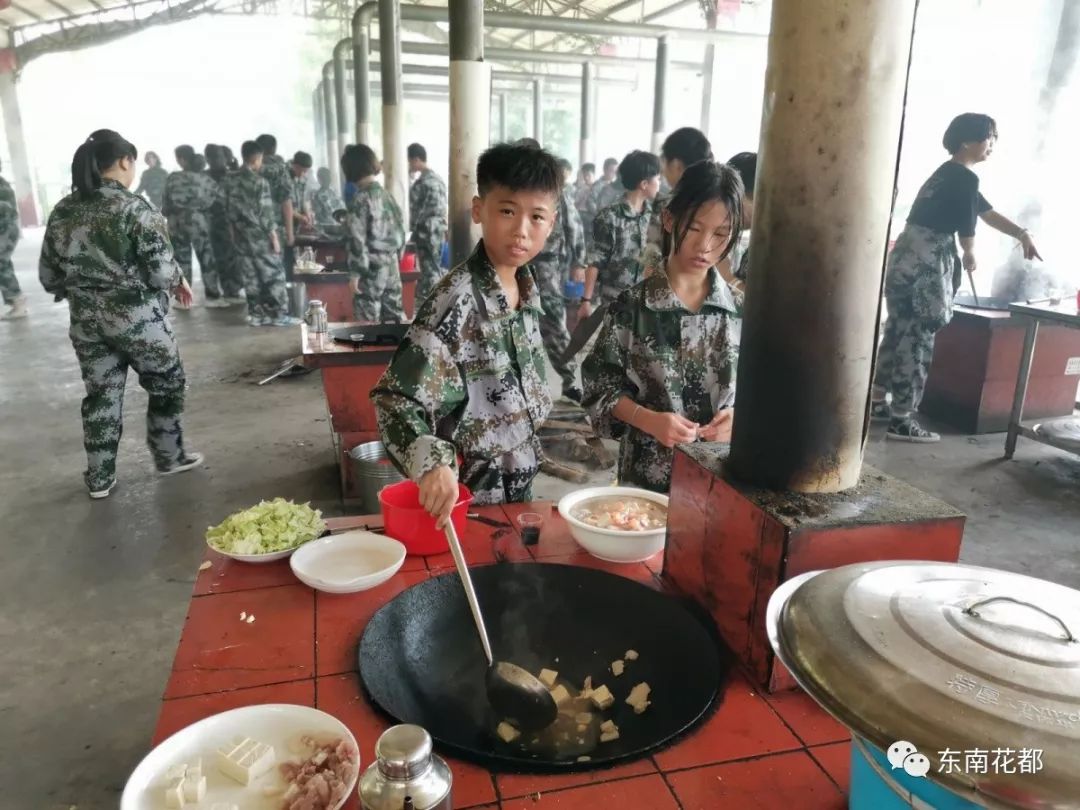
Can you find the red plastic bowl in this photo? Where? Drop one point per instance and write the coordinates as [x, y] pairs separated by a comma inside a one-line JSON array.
[[405, 520]]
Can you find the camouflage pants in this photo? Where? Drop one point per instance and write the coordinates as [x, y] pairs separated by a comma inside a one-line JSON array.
[[232, 280], [553, 322], [506, 479], [904, 362], [379, 299], [191, 233], [9, 285], [112, 331], [428, 258], [264, 282]]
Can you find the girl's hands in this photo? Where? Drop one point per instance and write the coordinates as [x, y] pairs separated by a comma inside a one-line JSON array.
[[719, 429]]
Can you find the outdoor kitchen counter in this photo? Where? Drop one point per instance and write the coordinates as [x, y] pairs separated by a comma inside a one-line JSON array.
[[773, 752]]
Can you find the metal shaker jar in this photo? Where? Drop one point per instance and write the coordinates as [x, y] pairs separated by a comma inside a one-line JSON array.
[[406, 768], [316, 317]]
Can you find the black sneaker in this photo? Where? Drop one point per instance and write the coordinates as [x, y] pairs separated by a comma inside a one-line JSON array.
[[188, 461], [880, 411], [573, 393], [908, 430]]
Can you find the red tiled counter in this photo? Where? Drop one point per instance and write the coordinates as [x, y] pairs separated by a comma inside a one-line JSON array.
[[755, 752]]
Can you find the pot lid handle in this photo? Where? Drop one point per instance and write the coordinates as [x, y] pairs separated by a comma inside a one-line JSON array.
[[972, 610]]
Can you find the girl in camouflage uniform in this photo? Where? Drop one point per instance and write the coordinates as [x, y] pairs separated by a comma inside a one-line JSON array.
[[107, 251], [924, 272], [662, 371]]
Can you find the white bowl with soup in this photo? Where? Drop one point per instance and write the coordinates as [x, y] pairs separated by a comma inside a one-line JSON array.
[[617, 524]]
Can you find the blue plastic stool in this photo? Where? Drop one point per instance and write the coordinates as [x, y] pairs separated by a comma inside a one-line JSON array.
[[875, 785]]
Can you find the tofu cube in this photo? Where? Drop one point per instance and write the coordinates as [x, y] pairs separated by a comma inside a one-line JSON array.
[[176, 772], [586, 690], [609, 736], [602, 698], [583, 718], [617, 667], [631, 655], [639, 698], [194, 789], [548, 677], [507, 733], [245, 760], [174, 793], [560, 694], [608, 726]]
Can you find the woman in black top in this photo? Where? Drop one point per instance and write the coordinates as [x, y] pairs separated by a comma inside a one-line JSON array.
[[924, 272]]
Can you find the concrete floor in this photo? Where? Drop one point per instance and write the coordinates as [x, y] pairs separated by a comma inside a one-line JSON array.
[[95, 592]]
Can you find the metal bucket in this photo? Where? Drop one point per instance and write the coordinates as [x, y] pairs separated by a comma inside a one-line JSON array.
[[372, 470], [297, 299]]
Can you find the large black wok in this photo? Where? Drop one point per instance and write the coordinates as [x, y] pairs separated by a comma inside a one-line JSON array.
[[421, 660]]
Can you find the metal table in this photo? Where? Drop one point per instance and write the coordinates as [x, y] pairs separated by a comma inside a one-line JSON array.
[[1063, 314]]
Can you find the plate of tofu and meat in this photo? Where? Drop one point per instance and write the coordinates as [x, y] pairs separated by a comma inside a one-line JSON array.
[[266, 757]]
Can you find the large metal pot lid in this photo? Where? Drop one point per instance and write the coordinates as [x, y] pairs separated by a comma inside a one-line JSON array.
[[970, 665]]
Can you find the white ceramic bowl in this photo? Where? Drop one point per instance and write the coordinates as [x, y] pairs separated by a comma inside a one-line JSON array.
[[614, 545], [348, 562], [256, 558]]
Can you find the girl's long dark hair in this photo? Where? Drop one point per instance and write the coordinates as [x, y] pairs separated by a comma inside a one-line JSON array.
[[701, 184], [99, 153]]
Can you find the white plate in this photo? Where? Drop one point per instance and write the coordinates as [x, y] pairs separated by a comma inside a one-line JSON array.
[[348, 562], [614, 545], [275, 724], [256, 558]]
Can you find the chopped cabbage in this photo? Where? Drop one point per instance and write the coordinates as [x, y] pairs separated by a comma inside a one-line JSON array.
[[268, 526]]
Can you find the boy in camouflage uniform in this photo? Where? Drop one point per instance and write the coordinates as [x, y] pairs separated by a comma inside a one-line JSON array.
[[258, 250], [375, 237], [561, 257], [232, 281], [152, 180], [277, 175], [300, 195], [619, 233], [682, 148], [9, 237], [186, 203], [325, 201], [662, 371], [427, 218], [106, 250], [466, 393]]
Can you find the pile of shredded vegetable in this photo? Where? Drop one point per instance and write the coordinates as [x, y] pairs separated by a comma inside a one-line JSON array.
[[268, 526]]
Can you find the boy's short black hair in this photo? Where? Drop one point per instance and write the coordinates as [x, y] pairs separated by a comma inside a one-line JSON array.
[[609, 162], [638, 166], [323, 176], [249, 149], [688, 145], [518, 167], [359, 161], [745, 163], [303, 160], [968, 128], [268, 144], [184, 153], [589, 168], [704, 182], [417, 152], [566, 165]]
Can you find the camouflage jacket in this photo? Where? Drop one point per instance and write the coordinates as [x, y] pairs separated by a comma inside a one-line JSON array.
[[299, 191], [277, 174], [249, 210], [188, 193], [468, 381], [604, 194], [375, 231], [152, 184], [652, 254], [617, 245], [566, 244], [663, 357], [9, 215], [114, 240], [324, 203], [427, 205]]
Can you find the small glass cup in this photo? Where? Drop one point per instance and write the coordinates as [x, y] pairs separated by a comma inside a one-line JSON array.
[[530, 524]]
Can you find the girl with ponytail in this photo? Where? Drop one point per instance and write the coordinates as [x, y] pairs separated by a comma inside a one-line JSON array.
[[107, 251]]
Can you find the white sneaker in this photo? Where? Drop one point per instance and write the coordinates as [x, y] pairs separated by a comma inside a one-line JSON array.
[[17, 310], [189, 461], [217, 303], [98, 494]]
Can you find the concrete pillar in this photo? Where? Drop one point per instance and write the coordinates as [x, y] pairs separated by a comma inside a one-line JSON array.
[[395, 166], [708, 73], [502, 117], [470, 108], [833, 108], [659, 94], [588, 126], [19, 170], [362, 85], [317, 115], [341, 108], [333, 151], [538, 110]]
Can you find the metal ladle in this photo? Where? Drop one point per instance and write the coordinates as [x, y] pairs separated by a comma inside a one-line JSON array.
[[515, 693]]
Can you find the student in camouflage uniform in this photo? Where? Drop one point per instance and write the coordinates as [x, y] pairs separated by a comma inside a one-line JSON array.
[[466, 392], [232, 280], [9, 237], [301, 196], [325, 201], [682, 148], [189, 195], [924, 272], [277, 175], [375, 237], [152, 180], [250, 212], [619, 233], [586, 179], [107, 252], [605, 191], [427, 218], [662, 371]]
